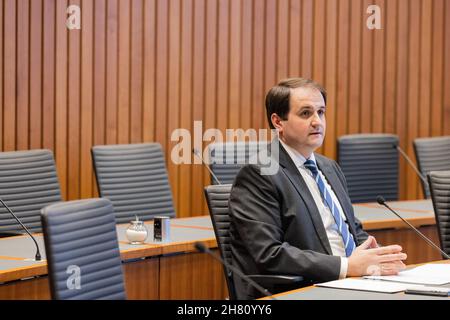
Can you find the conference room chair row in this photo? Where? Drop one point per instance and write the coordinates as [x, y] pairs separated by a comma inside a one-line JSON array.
[[134, 176], [83, 232]]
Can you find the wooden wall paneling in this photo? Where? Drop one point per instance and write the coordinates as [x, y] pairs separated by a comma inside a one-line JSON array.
[[61, 79], [379, 41], [9, 76], [48, 76], [282, 40], [270, 61], [223, 63], [99, 78], [186, 117], [425, 76], [390, 23], [162, 34], [258, 95], [437, 62], [307, 33], [413, 92], [446, 104], [198, 99], [245, 70], [402, 88], [331, 51], [234, 65], [112, 60], [174, 91], [100, 59], [294, 54], [354, 102], [426, 37], [270, 48], [36, 74], [342, 74], [87, 92], [74, 112], [319, 47], [124, 73], [2, 102], [367, 69], [23, 51], [148, 119], [209, 116], [136, 81]]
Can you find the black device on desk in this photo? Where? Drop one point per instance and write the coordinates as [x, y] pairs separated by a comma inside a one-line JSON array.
[[161, 228], [430, 291]]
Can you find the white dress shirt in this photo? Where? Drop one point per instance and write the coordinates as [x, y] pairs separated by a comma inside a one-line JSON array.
[[334, 237]]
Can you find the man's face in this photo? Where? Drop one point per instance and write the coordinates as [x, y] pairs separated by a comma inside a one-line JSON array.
[[304, 128]]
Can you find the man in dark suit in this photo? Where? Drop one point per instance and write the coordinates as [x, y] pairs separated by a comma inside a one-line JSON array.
[[299, 220]]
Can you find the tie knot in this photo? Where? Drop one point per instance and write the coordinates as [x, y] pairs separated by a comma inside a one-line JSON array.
[[311, 165]]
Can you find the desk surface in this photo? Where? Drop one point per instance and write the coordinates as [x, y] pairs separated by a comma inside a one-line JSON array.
[[322, 293], [14, 251]]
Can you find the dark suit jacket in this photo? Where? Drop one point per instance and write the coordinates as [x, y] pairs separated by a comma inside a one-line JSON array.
[[276, 227]]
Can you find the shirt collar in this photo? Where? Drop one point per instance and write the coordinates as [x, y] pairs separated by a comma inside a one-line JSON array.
[[298, 158]]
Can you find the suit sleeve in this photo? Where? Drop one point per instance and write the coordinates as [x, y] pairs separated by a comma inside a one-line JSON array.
[[256, 215], [360, 233]]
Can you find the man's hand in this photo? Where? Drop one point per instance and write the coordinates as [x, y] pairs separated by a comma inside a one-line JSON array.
[[369, 259]]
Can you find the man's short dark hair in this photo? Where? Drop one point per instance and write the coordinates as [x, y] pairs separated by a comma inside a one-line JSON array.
[[278, 97]]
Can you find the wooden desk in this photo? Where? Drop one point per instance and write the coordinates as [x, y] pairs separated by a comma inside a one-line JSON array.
[[174, 270], [322, 293], [389, 229]]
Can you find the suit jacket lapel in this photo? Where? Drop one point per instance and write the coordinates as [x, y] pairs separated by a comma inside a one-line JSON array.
[[296, 179], [339, 191]]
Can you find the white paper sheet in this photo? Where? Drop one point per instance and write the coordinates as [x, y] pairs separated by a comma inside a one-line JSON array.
[[368, 285], [430, 274]]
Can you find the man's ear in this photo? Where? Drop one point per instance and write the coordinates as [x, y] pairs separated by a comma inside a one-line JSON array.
[[276, 122]]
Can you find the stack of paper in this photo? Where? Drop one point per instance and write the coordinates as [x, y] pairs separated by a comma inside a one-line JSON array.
[[429, 274], [368, 285]]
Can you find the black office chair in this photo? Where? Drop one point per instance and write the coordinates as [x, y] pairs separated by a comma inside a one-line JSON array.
[[432, 154], [28, 182], [439, 182], [82, 250], [226, 159], [370, 165], [217, 198], [134, 177]]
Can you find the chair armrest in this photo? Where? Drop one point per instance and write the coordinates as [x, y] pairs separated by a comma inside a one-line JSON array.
[[270, 280]]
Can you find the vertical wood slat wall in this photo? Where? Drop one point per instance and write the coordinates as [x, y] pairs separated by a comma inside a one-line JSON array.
[[139, 69]]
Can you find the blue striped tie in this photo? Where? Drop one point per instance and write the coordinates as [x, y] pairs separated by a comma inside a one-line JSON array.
[[342, 226]]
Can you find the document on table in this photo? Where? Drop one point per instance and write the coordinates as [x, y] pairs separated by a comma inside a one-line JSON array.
[[368, 285], [429, 274]]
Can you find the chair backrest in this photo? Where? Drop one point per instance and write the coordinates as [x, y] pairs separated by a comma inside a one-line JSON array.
[[440, 194], [134, 177], [432, 154], [370, 165], [82, 250], [226, 159], [28, 182], [217, 197]]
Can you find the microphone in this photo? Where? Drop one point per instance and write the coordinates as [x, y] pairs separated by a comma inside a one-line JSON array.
[[203, 249], [408, 159], [197, 153], [382, 201], [38, 254]]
